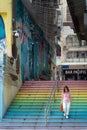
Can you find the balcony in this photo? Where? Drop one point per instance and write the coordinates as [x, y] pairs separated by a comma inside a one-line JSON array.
[[79, 48], [76, 60], [76, 44]]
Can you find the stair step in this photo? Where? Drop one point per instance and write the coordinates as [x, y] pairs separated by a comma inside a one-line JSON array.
[[33, 93], [27, 100], [32, 119], [14, 112], [40, 114], [41, 97], [43, 124], [27, 109], [45, 98], [53, 104]]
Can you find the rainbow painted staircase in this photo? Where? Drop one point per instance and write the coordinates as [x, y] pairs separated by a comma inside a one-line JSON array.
[[27, 109]]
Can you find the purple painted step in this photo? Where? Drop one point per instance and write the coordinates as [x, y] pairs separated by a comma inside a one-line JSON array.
[[73, 84]]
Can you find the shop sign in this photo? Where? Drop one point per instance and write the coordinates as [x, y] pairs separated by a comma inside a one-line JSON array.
[[65, 67], [75, 71]]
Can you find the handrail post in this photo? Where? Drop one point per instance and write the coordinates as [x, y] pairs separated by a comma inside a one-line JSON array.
[[45, 116], [51, 98], [50, 109], [54, 97], [57, 86]]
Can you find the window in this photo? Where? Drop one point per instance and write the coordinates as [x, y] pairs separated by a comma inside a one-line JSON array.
[[69, 41], [2, 29], [69, 55]]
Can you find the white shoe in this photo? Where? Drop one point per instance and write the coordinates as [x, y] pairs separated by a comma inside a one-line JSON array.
[[67, 117], [64, 114]]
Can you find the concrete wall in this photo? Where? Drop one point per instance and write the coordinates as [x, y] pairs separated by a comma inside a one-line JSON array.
[[11, 83]]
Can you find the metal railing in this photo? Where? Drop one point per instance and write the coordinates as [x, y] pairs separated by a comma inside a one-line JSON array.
[[76, 60], [51, 98]]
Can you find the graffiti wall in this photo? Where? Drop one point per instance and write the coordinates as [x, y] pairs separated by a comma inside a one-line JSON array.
[[30, 58], [34, 51]]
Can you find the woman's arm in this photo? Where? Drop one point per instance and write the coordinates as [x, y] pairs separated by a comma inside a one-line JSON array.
[[70, 98]]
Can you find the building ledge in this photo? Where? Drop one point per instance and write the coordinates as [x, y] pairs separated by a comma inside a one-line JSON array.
[[74, 63]]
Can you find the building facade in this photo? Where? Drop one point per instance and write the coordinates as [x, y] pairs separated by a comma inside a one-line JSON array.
[[73, 51]]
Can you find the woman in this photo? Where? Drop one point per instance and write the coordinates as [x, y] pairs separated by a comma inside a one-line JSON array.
[[66, 100]]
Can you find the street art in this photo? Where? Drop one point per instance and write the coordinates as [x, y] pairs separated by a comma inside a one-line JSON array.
[[33, 46], [2, 46], [1, 72], [2, 50], [2, 36]]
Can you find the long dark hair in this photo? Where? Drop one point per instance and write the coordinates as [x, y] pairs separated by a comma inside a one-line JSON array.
[[66, 87]]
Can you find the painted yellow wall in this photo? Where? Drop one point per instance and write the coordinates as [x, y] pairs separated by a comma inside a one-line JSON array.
[[6, 13]]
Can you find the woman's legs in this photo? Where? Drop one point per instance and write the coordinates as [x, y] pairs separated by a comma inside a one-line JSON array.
[[66, 108]]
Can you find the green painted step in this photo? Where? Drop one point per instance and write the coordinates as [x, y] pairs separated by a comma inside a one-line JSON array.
[[34, 99], [56, 98], [40, 102], [41, 105]]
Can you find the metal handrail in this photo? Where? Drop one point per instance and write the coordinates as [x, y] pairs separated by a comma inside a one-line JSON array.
[[48, 105]]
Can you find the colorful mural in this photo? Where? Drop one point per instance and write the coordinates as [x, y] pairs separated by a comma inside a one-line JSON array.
[[28, 51], [2, 36], [34, 51]]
